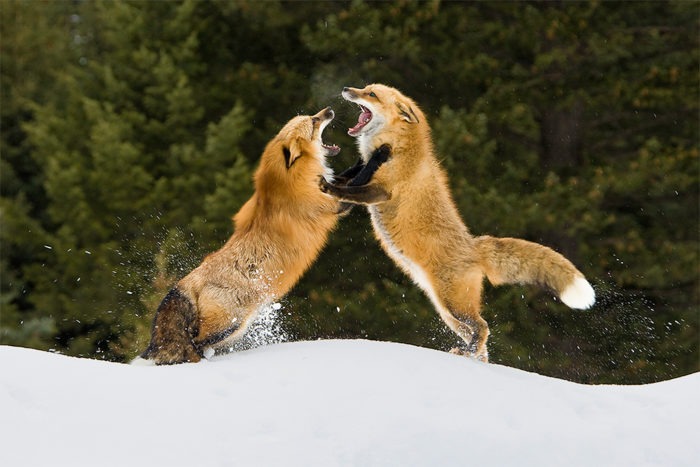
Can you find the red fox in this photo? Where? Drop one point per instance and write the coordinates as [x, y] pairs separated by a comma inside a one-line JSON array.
[[419, 227], [278, 234]]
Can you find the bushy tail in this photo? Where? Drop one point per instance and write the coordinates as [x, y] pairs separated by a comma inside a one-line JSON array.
[[174, 328], [516, 261]]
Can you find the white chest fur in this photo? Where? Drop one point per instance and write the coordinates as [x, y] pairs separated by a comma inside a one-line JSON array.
[[414, 271], [364, 144]]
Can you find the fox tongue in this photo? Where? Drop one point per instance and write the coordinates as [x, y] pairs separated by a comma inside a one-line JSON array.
[[362, 120], [365, 116], [356, 129]]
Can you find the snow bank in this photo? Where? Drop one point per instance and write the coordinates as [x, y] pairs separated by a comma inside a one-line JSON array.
[[333, 403]]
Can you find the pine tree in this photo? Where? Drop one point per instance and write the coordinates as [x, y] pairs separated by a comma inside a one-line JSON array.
[[554, 122], [26, 75], [132, 161], [569, 124]]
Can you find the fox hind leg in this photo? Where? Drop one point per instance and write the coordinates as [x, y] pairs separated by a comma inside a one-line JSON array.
[[473, 331], [475, 345], [174, 329], [461, 312]]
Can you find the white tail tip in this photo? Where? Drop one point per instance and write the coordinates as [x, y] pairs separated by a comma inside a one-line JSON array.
[[579, 294]]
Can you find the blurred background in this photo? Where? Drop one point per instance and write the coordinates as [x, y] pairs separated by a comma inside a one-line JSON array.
[[130, 132]]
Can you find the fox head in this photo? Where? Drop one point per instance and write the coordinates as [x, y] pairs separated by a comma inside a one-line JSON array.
[[382, 109], [288, 175], [296, 156]]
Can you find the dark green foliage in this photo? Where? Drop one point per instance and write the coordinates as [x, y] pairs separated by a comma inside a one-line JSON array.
[[130, 131]]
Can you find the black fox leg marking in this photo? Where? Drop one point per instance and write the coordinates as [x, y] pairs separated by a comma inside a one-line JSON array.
[[174, 329], [358, 191], [361, 173], [349, 174], [342, 179], [217, 337], [379, 156]]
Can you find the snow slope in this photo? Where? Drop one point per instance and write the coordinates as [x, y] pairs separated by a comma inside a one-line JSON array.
[[333, 403]]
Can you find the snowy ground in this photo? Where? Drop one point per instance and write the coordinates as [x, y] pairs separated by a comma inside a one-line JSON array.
[[333, 403]]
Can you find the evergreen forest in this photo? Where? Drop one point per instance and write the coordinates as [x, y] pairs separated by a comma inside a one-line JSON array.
[[131, 130]]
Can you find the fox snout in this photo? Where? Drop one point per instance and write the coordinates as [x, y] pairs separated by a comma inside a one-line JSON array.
[[349, 93], [326, 114]]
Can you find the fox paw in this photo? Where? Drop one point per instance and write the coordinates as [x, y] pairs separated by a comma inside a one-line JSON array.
[[339, 180], [482, 356], [323, 184], [344, 209], [382, 153]]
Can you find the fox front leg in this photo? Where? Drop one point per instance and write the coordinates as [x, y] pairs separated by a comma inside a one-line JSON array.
[[361, 173], [379, 156], [358, 190], [344, 177], [364, 194]]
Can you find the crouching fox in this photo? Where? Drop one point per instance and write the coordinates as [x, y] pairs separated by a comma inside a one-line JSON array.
[[278, 234]]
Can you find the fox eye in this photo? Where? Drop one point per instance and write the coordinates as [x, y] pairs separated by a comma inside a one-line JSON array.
[[315, 119], [372, 94]]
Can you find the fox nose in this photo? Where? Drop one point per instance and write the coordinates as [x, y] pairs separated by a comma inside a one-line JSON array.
[[346, 89], [325, 114]]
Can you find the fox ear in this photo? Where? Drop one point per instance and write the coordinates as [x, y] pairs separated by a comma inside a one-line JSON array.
[[292, 152], [406, 112]]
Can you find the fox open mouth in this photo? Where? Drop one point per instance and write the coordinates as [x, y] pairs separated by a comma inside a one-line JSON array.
[[332, 149], [364, 118]]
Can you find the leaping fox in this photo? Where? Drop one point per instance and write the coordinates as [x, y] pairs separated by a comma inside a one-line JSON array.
[[419, 227]]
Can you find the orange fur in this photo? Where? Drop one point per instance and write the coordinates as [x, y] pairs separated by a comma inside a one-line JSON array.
[[418, 224], [278, 234]]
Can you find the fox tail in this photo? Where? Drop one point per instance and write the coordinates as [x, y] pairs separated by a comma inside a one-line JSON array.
[[516, 261]]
